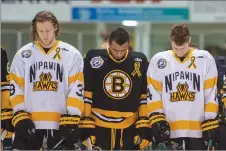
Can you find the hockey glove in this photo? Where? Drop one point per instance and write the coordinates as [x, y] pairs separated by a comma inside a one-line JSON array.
[[160, 128], [7, 142], [222, 107], [86, 126], [222, 96], [6, 120], [143, 132], [210, 132], [24, 127], [69, 128], [7, 129]]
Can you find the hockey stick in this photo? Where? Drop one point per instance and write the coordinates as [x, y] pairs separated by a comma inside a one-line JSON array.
[[58, 143], [3, 135], [89, 144], [210, 145]]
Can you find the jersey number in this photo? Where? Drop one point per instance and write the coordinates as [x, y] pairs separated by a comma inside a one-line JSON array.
[[80, 90], [12, 89], [149, 95]]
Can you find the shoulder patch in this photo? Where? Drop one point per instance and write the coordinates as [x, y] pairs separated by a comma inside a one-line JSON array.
[[26, 53], [161, 63], [96, 62]]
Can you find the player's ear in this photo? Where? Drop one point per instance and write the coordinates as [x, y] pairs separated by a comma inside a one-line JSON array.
[[55, 28]]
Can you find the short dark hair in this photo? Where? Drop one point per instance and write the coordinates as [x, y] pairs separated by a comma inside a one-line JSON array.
[[119, 35], [43, 16], [180, 34]]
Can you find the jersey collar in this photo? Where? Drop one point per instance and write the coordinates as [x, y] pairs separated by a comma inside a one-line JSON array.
[[51, 49], [185, 59], [118, 61]]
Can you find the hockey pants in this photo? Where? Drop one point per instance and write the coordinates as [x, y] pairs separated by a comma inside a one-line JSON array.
[[222, 140], [52, 137], [115, 139], [191, 143]]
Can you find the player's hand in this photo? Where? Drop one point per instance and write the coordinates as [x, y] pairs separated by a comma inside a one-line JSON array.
[[143, 133], [160, 128], [210, 132], [86, 125], [24, 127], [222, 96], [69, 128]]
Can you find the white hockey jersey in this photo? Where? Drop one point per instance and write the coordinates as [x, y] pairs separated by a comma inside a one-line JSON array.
[[47, 84], [185, 91]]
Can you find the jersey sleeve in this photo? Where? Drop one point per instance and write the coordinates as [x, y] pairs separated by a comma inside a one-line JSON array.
[[210, 89], [75, 103], [89, 84], [17, 74], [154, 88], [5, 85], [142, 110]]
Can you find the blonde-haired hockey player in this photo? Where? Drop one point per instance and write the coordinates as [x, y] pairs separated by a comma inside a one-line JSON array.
[[47, 88]]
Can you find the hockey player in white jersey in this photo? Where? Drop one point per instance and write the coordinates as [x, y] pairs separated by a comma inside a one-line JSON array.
[[47, 88], [182, 99]]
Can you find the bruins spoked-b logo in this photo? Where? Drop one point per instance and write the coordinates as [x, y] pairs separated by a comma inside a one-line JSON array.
[[117, 84], [182, 93], [45, 83]]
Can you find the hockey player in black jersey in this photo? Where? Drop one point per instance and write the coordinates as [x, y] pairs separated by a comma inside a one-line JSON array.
[[115, 95], [6, 109], [221, 65]]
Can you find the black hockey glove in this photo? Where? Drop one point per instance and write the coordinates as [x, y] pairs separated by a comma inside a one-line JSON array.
[[7, 142], [6, 120], [143, 133], [160, 128], [86, 125], [69, 128], [7, 129], [210, 132], [24, 127]]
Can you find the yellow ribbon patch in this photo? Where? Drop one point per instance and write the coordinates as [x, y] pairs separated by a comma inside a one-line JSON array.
[[192, 63], [57, 55], [136, 69]]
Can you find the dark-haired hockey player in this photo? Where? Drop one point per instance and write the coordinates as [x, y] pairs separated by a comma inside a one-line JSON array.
[[115, 95], [221, 66], [182, 83], [6, 108]]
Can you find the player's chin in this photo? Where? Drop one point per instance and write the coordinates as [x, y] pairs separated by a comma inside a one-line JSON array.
[[118, 58]]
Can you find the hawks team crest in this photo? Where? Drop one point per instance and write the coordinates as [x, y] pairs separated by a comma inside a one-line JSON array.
[[96, 62], [182, 94]]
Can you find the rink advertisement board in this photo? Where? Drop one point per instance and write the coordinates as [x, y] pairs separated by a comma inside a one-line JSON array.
[[115, 14]]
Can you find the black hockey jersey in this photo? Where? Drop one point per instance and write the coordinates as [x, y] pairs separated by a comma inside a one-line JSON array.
[[221, 85], [221, 67], [115, 91], [5, 87]]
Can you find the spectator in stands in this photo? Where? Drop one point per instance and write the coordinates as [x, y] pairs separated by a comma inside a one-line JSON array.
[[104, 36]]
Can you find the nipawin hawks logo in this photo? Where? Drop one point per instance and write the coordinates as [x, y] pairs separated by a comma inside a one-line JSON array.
[[45, 83], [182, 93]]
